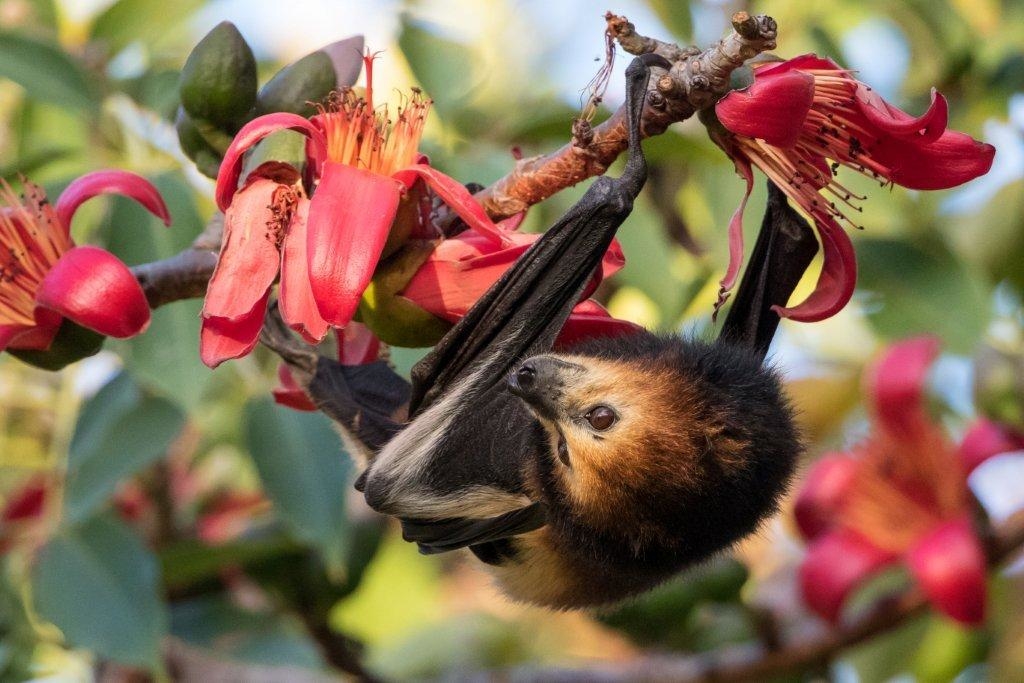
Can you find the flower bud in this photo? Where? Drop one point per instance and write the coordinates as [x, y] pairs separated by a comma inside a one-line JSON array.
[[195, 146], [72, 343], [395, 319], [218, 81], [297, 87]]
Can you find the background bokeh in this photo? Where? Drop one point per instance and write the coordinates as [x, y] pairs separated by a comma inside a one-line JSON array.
[[196, 510]]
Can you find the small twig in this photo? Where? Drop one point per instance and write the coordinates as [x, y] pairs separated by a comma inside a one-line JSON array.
[[186, 274], [696, 80]]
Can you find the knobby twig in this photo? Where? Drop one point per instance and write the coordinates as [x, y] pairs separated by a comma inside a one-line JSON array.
[[755, 662], [186, 274], [696, 79]]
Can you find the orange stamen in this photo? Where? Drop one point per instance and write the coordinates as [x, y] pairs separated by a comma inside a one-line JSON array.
[[31, 242]]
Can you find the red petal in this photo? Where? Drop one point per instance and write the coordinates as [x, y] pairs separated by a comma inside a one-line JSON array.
[[36, 337], [924, 129], [229, 517], [96, 290], [460, 270], [456, 196], [249, 258], [986, 439], [951, 160], [28, 502], [822, 494], [349, 220], [950, 567], [290, 394], [221, 339], [807, 62], [836, 564], [836, 282], [298, 308], [896, 385], [589, 320], [357, 345], [773, 108], [251, 133], [110, 182], [735, 235]]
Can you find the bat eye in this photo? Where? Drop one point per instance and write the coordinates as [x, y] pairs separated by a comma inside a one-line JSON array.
[[601, 418]]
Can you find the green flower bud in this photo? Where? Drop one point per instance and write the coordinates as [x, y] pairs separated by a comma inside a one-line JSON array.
[[301, 84], [218, 81], [195, 146], [393, 318], [72, 343]]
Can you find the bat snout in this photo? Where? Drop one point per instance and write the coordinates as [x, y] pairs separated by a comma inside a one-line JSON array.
[[540, 382], [376, 491]]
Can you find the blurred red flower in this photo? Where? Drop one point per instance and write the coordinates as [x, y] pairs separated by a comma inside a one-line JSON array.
[[900, 495], [800, 113]]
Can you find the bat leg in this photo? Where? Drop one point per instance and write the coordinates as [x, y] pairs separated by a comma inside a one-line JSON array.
[[301, 357], [367, 401]]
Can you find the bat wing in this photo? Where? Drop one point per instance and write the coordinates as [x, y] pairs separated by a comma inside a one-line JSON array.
[[784, 249], [522, 313], [439, 536]]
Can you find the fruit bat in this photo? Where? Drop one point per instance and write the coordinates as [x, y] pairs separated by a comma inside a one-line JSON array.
[[585, 476]]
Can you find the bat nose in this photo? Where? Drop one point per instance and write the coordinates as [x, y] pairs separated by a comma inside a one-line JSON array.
[[526, 376], [539, 382]]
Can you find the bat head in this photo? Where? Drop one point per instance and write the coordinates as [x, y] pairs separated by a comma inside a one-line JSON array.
[[663, 450]]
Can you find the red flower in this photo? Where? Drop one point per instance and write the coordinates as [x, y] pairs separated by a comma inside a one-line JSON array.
[[361, 163], [799, 114], [45, 278], [23, 512], [462, 268], [900, 494]]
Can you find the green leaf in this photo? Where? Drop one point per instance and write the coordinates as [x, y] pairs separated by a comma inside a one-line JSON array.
[[99, 584], [151, 23], [192, 561], [120, 431], [46, 72], [675, 14], [660, 616], [445, 69], [172, 340], [922, 289], [256, 637], [304, 471]]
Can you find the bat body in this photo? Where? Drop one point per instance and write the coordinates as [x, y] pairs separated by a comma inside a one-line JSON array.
[[581, 477]]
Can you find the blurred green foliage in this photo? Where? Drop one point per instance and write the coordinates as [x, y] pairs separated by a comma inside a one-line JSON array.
[[165, 442]]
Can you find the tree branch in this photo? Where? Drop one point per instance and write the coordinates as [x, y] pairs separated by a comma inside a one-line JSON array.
[[697, 79], [754, 662]]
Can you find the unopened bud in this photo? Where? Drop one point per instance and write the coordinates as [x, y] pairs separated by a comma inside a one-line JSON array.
[[297, 87], [72, 343], [218, 81]]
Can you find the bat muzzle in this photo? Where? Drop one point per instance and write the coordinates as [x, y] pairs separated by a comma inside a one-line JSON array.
[[540, 382]]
